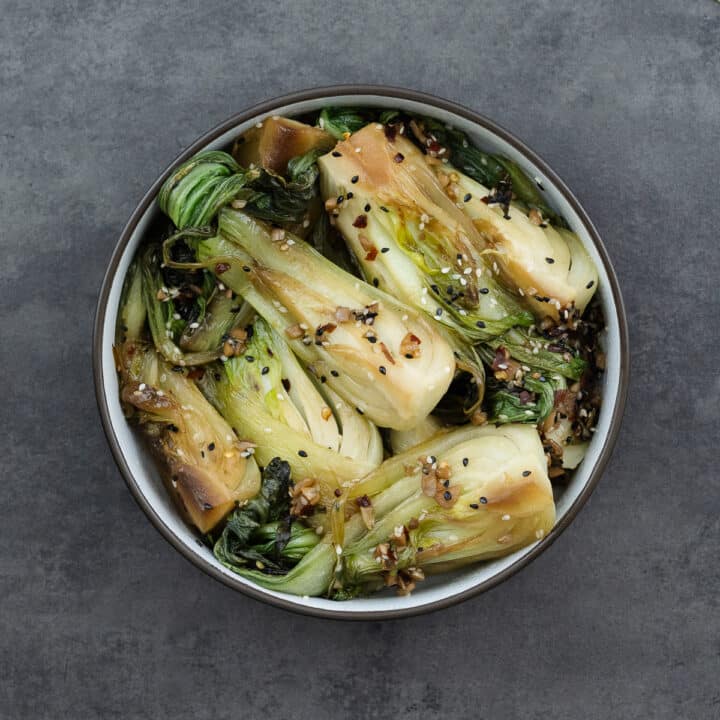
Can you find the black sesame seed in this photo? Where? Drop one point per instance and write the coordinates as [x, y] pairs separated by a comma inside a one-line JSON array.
[[526, 473], [467, 198], [336, 153], [335, 373], [483, 500], [446, 483], [384, 250], [359, 411], [438, 312], [383, 370], [459, 256], [246, 268], [211, 446], [302, 453], [349, 195], [384, 209], [474, 506], [432, 459], [447, 495], [480, 324], [340, 198], [376, 282], [217, 376], [590, 284], [371, 339], [265, 370], [465, 462], [354, 179], [549, 260], [323, 379], [367, 208], [484, 291], [202, 453], [249, 358], [207, 506]]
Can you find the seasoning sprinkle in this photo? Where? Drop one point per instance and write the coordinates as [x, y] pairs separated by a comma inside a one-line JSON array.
[[336, 153], [465, 462], [480, 324], [367, 207], [467, 198], [265, 370], [549, 260], [302, 453], [383, 370], [335, 373], [354, 179], [483, 500], [590, 284]]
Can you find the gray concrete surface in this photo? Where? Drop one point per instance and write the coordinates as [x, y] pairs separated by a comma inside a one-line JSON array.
[[100, 618]]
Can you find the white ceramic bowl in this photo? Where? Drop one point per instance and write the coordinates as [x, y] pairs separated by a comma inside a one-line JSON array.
[[438, 591]]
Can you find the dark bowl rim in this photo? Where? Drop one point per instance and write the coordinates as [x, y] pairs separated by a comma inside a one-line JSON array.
[[263, 109]]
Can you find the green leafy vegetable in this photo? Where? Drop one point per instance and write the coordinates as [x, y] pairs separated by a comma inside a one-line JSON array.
[[485, 168], [166, 324], [202, 460], [193, 194], [339, 121], [270, 400], [261, 532], [408, 234], [351, 329]]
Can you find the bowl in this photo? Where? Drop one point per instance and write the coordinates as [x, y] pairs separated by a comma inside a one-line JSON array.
[[439, 591]]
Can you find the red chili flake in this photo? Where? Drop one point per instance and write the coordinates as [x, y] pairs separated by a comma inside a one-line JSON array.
[[196, 374], [372, 253], [220, 268], [434, 146], [526, 397], [360, 221]]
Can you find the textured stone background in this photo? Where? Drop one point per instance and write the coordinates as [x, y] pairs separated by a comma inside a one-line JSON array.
[[100, 618]]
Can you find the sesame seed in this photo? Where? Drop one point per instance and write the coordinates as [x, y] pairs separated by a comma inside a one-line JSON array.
[[483, 500], [265, 370], [480, 324], [384, 250], [484, 291], [438, 312], [383, 370], [354, 179], [467, 198], [335, 373], [590, 284], [302, 453], [465, 461], [549, 260], [211, 446], [336, 153], [447, 495], [526, 473], [474, 506], [249, 358], [376, 282], [367, 207], [505, 517]]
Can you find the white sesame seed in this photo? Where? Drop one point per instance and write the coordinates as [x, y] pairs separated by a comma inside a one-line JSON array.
[[505, 517]]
